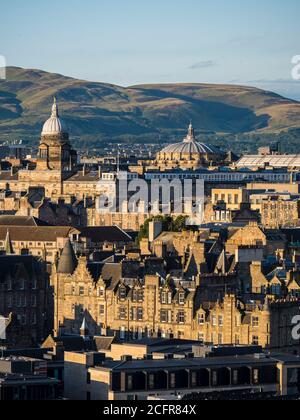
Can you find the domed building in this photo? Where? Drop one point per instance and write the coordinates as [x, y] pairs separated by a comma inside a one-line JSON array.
[[189, 154], [55, 151]]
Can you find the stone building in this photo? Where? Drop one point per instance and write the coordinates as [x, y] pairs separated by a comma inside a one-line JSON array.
[[56, 168], [277, 213], [25, 299], [189, 154], [134, 306]]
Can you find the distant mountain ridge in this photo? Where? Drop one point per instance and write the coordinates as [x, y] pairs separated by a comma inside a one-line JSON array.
[[99, 111]]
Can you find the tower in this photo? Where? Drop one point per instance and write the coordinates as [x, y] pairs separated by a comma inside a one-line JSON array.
[[66, 266], [55, 151]]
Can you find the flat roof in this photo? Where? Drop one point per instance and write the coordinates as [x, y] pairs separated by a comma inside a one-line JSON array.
[[193, 363]]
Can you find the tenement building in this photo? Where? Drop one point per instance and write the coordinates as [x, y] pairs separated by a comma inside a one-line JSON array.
[[25, 300], [219, 298]]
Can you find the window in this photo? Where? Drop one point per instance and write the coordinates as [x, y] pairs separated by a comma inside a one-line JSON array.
[[255, 340], [255, 321], [122, 293], [163, 298], [172, 380], [129, 382], [220, 338], [151, 381], [214, 378], [101, 292], [214, 321], [81, 291], [122, 333], [33, 301], [164, 316], [221, 322], [255, 376], [181, 299], [132, 314], [102, 310], [140, 314], [235, 377], [201, 338], [181, 317], [138, 296], [201, 319], [123, 314], [194, 379]]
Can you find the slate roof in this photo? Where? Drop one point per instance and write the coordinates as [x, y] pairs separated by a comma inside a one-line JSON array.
[[105, 234], [68, 261], [21, 221], [11, 263], [35, 234]]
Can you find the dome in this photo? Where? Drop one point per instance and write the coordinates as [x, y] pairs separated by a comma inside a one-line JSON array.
[[54, 125], [189, 147]]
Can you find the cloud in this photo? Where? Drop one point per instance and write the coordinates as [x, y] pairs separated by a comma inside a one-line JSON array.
[[203, 65]]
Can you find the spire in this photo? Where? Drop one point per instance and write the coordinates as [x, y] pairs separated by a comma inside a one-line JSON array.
[[8, 244], [68, 261], [191, 134], [222, 266], [54, 109], [84, 330]]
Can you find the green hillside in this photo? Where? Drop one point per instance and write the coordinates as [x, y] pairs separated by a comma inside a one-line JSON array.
[[96, 112]]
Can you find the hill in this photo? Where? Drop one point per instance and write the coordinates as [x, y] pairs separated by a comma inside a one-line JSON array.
[[96, 112]]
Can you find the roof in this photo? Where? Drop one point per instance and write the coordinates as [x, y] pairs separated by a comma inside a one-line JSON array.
[[196, 363], [68, 261], [276, 161], [190, 146], [35, 234], [21, 221], [8, 176], [10, 264], [110, 272], [54, 125], [105, 234]]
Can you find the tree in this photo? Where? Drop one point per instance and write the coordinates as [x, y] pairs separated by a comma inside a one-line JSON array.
[[168, 225]]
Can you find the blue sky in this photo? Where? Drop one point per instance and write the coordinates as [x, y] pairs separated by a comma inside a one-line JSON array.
[[131, 42]]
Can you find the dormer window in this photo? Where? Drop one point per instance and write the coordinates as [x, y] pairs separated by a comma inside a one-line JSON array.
[[201, 319], [122, 293], [101, 292], [138, 296], [181, 298]]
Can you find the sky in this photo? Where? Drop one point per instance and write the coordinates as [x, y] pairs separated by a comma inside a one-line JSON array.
[[128, 42]]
